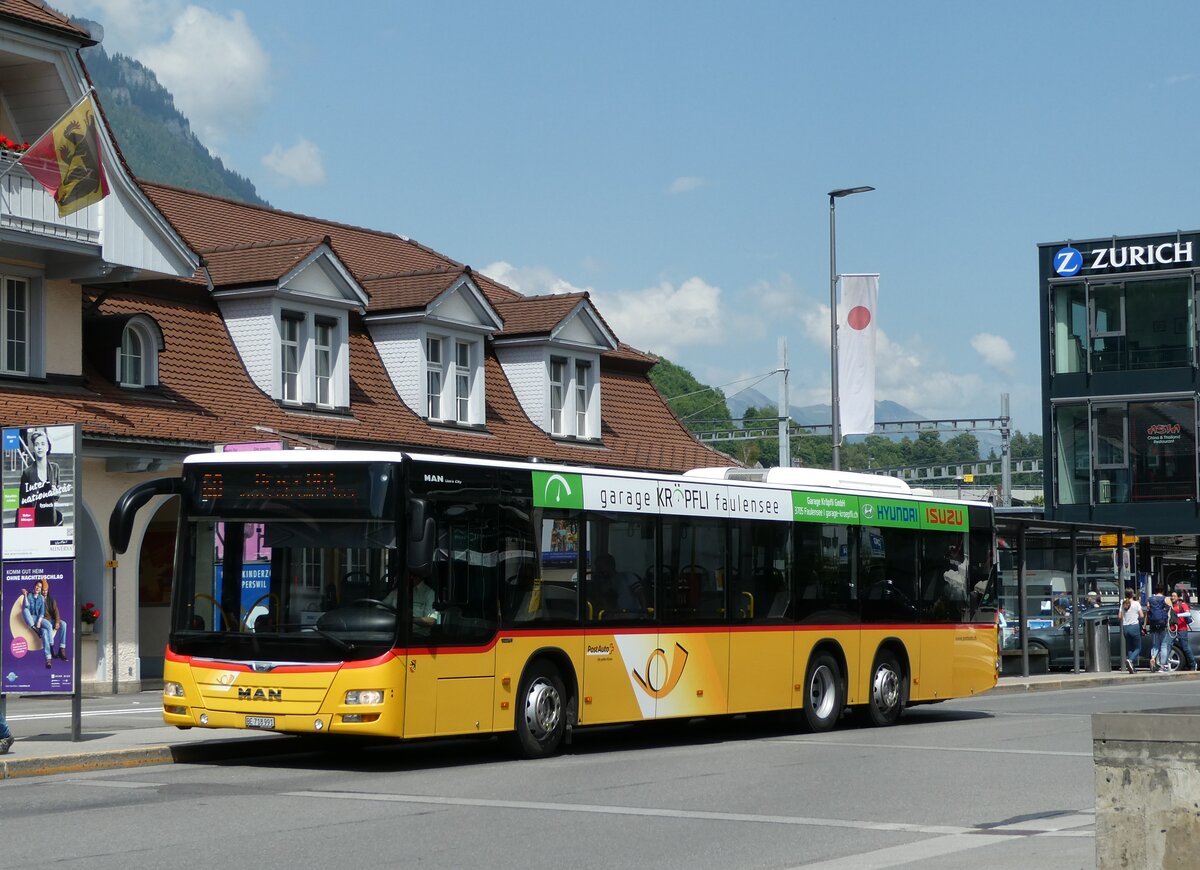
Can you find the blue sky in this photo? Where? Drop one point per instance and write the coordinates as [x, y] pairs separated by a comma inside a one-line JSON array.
[[674, 158]]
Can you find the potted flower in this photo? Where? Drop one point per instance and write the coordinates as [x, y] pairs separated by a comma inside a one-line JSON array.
[[88, 614], [7, 144]]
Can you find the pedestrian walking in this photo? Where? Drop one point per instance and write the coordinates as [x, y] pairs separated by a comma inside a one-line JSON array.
[[1159, 618], [1183, 622], [6, 738], [1131, 626]]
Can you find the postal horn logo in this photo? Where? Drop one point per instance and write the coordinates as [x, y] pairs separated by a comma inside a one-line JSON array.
[[662, 676]]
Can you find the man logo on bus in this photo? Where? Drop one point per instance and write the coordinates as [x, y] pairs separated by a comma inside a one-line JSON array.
[[657, 667]]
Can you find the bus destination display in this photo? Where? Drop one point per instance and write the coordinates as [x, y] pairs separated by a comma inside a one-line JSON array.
[[234, 487]]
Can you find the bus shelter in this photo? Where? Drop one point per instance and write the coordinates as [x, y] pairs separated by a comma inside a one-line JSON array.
[[1051, 574]]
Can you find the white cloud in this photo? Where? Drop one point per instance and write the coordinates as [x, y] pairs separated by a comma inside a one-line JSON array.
[[685, 184], [529, 280], [301, 164], [128, 24], [217, 70], [995, 351], [664, 319]]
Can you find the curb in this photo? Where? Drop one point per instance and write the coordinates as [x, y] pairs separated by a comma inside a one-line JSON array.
[[145, 756], [1070, 681]]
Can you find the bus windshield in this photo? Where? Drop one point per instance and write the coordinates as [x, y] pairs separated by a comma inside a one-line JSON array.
[[297, 589]]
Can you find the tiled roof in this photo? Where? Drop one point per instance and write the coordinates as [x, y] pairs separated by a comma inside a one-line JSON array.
[[207, 222], [409, 290], [257, 262], [216, 401], [39, 14], [537, 315], [206, 397]]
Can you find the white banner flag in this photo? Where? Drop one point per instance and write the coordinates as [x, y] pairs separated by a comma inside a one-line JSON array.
[[856, 354]]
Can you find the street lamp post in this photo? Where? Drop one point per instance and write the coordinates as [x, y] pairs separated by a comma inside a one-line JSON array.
[[835, 195]]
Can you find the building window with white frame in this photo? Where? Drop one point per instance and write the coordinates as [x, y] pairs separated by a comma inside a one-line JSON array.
[[583, 385], [290, 336], [558, 394], [15, 326], [131, 370], [433, 377], [462, 381], [453, 382], [323, 355]]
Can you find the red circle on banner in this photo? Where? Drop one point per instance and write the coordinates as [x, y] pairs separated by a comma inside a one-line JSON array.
[[859, 317]]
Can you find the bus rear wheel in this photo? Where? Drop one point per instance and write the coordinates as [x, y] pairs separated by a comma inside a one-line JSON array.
[[823, 694], [887, 690], [541, 715]]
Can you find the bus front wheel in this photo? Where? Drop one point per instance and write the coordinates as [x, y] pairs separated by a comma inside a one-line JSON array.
[[823, 694], [887, 690], [541, 715]]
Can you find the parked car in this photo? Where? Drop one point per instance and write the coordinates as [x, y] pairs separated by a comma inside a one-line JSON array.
[[1057, 641]]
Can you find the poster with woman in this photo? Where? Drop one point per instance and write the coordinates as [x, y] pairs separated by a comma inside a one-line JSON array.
[[40, 492]]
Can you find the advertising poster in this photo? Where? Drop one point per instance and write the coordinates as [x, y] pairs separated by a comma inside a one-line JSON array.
[[37, 627], [256, 555], [40, 493]]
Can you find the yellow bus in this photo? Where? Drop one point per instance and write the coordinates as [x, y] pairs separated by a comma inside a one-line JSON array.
[[415, 596]]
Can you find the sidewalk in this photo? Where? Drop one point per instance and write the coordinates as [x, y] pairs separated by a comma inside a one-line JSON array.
[[43, 743]]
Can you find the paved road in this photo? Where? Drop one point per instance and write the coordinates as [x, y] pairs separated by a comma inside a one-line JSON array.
[[1004, 780]]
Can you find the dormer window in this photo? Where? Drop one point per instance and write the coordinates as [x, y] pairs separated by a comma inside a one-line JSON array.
[[137, 356], [291, 325], [310, 346], [452, 382], [124, 347], [573, 397], [550, 350]]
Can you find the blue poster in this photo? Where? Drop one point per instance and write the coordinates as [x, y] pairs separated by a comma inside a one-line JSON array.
[[256, 583]]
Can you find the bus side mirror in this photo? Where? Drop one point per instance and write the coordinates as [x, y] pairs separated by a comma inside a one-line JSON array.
[[120, 522], [422, 535]]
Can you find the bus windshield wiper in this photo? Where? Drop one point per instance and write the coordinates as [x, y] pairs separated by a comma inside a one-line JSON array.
[[343, 645]]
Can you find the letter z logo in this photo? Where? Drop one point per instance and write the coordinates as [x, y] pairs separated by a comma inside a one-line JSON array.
[[1068, 261]]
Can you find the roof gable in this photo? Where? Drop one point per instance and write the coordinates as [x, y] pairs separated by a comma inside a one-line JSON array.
[[444, 296], [568, 319], [296, 267]]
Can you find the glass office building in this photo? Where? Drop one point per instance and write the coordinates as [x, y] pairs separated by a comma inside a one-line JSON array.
[[1120, 378]]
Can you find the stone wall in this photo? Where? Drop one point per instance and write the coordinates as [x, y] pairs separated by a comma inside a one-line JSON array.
[[1147, 788]]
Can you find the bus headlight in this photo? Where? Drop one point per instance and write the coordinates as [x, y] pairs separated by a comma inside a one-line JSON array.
[[173, 690], [364, 696]]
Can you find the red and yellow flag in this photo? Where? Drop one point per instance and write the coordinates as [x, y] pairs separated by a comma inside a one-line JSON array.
[[66, 160]]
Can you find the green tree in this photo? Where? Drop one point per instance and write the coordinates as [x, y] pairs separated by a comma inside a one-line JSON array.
[[766, 449], [700, 408]]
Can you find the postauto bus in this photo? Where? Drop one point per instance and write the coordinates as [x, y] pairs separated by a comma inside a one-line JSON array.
[[416, 596]]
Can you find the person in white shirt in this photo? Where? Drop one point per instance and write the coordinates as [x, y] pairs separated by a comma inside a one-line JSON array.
[[1131, 627]]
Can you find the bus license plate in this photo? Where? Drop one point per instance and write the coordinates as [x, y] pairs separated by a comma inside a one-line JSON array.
[[260, 722]]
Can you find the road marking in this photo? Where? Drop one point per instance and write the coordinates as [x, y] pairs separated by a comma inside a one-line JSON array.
[[30, 717], [945, 839], [990, 750], [435, 800], [923, 850], [113, 783]]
